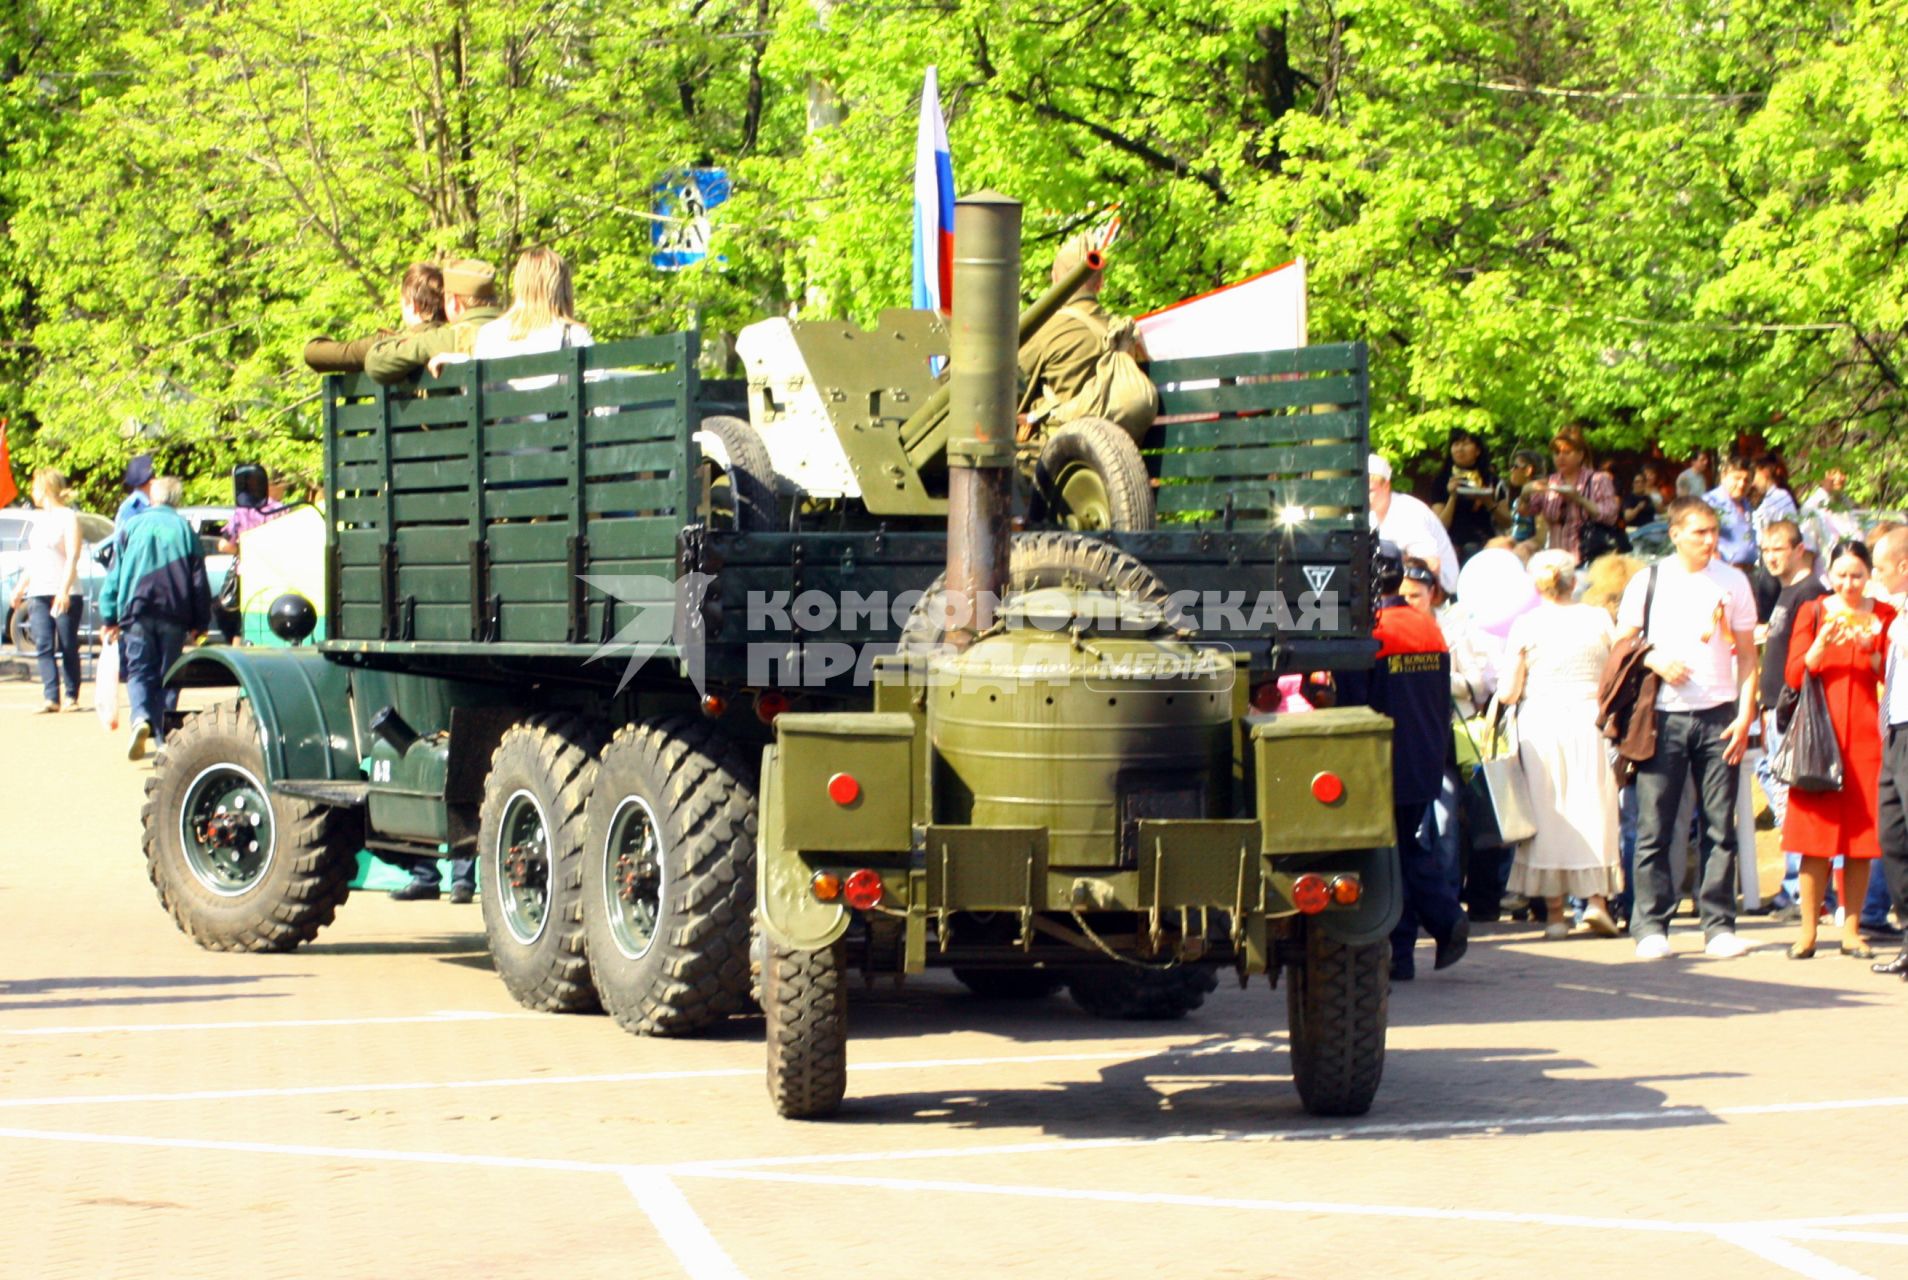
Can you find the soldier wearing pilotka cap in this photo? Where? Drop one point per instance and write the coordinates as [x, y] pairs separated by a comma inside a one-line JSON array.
[[470, 303]]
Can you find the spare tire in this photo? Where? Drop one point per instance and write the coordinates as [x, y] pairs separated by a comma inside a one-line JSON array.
[[1091, 477], [1049, 559], [742, 486]]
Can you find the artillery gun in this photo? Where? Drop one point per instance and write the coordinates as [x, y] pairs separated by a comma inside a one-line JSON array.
[[855, 422]]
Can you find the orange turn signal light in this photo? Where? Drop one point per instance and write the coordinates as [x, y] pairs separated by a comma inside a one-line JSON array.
[[715, 706], [1310, 893], [864, 889], [1346, 890], [826, 886], [1327, 787], [843, 789]]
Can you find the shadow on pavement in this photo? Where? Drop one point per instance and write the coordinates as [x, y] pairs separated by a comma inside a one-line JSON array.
[[186, 986], [459, 945]]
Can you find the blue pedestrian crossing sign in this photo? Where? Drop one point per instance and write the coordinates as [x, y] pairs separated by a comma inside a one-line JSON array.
[[684, 201]]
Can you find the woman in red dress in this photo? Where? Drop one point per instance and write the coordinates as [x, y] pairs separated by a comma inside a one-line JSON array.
[[1840, 639]]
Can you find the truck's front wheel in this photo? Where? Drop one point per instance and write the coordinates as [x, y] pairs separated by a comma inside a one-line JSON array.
[[239, 868], [530, 842], [804, 998], [669, 883], [1336, 1006]]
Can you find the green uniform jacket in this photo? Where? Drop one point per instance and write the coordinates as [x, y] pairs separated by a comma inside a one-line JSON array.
[[395, 359], [328, 355], [1060, 358]]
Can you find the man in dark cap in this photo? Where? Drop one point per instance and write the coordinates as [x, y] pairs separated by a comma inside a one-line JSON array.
[[420, 301], [138, 486], [470, 303]]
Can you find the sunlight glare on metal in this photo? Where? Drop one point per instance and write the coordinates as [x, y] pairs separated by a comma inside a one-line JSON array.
[[1292, 513]]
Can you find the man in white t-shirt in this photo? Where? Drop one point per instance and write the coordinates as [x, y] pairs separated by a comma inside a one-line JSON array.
[[1701, 628], [1415, 527]]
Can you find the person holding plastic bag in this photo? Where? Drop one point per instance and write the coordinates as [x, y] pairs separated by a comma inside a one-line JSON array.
[[1839, 640]]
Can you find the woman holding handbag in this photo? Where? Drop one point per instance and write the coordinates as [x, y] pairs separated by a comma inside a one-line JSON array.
[[1839, 641], [1557, 651]]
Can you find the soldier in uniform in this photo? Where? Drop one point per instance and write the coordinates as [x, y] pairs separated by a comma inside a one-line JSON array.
[[470, 303], [1410, 681], [420, 300], [1059, 362]]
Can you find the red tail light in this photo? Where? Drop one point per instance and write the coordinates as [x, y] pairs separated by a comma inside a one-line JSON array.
[[863, 889], [1327, 787], [770, 703], [843, 789], [1310, 893], [1346, 890], [1266, 697]]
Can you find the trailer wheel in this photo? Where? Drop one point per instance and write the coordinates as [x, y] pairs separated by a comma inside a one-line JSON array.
[[1142, 995], [1048, 559], [237, 867], [740, 477], [1092, 477], [1010, 984], [1336, 1010], [530, 842], [669, 882], [807, 1006]]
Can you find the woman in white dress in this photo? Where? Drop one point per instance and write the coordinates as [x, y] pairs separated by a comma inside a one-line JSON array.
[[541, 319], [1557, 651]]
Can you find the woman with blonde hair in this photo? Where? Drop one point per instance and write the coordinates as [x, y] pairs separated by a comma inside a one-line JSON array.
[[1557, 651], [542, 314], [50, 588]]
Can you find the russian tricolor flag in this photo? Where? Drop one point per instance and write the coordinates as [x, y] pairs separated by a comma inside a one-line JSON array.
[[933, 206]]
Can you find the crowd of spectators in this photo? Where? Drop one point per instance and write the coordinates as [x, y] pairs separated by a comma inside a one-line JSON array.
[[1738, 590]]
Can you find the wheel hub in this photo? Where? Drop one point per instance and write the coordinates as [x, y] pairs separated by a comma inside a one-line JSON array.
[[523, 864], [633, 883], [225, 829]]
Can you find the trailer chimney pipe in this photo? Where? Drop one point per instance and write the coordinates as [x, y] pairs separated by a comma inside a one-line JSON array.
[[984, 354]]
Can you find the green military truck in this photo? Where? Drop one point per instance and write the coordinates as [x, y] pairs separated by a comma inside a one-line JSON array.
[[712, 742]]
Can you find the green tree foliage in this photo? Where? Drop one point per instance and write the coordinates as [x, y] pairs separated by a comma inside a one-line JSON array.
[[1677, 222]]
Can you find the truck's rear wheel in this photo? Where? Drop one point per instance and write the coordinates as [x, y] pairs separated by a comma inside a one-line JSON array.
[[1048, 559], [1092, 477], [1336, 1009], [239, 868], [530, 842], [1142, 995], [1010, 984], [669, 883], [740, 479], [804, 998]]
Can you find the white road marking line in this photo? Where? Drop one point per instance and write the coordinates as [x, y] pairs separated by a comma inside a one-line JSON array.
[[442, 1015], [379, 1154], [1849, 1237], [1656, 999], [677, 1222], [520, 1082], [1179, 1200], [1790, 1256]]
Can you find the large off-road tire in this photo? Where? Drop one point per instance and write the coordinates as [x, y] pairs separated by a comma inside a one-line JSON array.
[[669, 880], [1010, 984], [742, 483], [805, 998], [1091, 477], [530, 842], [1048, 559], [1336, 1007], [227, 895], [1142, 995]]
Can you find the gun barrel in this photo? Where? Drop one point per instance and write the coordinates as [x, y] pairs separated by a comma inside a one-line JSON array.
[[924, 434]]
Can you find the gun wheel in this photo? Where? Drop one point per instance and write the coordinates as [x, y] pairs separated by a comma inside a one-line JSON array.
[[1337, 1006], [737, 478], [1093, 478], [807, 1006]]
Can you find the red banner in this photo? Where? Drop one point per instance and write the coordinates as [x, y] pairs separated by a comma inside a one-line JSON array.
[[8, 490]]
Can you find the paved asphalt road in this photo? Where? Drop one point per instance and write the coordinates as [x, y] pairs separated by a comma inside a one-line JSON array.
[[375, 1105]]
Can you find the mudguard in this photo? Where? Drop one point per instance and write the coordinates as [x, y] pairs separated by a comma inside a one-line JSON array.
[[1383, 900], [784, 906], [300, 699]]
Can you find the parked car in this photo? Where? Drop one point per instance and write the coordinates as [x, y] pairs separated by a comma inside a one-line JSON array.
[[96, 530]]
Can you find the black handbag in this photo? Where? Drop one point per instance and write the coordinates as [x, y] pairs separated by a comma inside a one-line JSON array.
[[1598, 540], [1809, 759]]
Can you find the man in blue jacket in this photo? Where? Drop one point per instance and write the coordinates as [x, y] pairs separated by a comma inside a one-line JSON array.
[[157, 598], [1410, 681]]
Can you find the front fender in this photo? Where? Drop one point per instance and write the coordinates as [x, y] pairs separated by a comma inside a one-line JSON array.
[[300, 699]]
